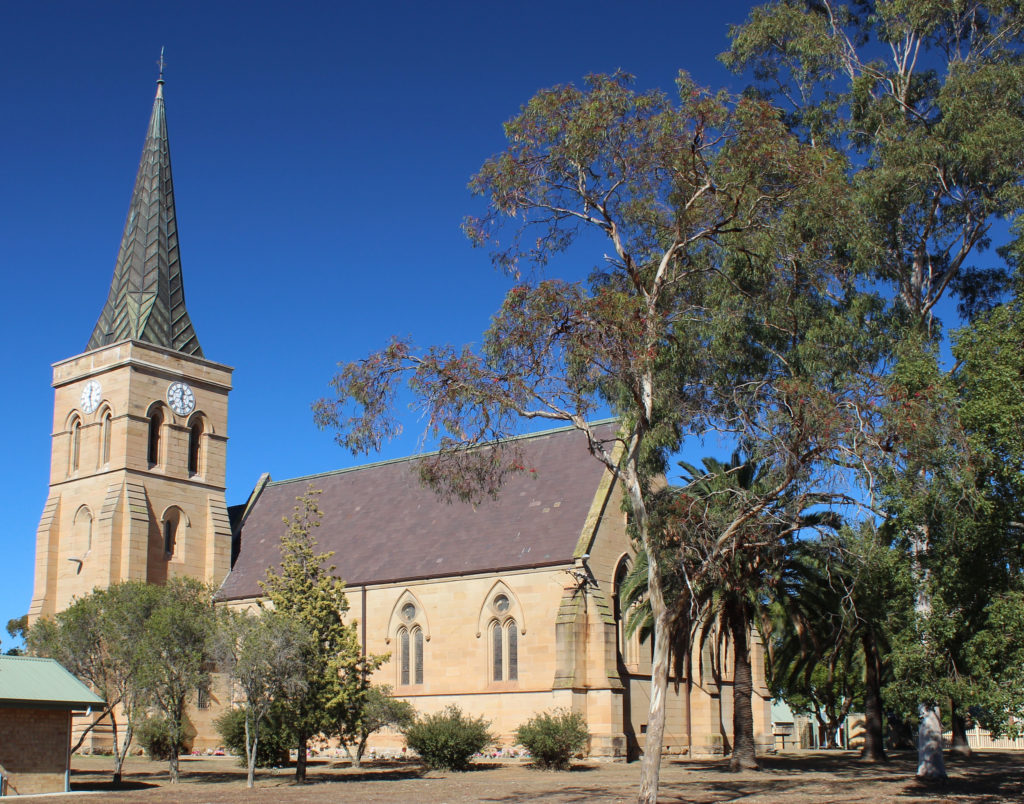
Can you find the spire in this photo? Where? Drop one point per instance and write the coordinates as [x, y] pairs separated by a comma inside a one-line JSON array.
[[147, 296]]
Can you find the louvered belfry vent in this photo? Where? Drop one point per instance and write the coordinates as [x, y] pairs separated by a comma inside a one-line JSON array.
[[147, 296]]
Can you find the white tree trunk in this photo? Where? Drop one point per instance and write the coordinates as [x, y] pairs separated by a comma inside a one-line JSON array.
[[651, 764], [929, 745]]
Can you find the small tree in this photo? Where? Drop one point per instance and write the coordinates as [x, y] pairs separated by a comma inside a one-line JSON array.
[[369, 713], [552, 738], [159, 738], [266, 656], [172, 658], [305, 589], [446, 740], [275, 737], [75, 639], [95, 638]]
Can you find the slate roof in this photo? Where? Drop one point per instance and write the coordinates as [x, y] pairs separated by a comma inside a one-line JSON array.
[[147, 295], [385, 527], [32, 683]]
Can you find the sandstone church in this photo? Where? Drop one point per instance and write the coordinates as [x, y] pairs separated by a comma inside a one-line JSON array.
[[507, 608]]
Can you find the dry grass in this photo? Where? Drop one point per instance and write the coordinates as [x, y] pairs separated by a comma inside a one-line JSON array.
[[797, 778]]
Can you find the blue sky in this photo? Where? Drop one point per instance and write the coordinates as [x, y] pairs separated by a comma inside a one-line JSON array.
[[320, 153]]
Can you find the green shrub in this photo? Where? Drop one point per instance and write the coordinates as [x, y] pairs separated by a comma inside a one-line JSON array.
[[553, 737], [154, 734], [275, 737], [446, 740]]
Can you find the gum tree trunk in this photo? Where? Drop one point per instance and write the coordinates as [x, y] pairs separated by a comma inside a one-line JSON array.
[[650, 766], [929, 745]]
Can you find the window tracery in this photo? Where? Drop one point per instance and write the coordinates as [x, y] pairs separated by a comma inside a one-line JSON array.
[[503, 613], [411, 633]]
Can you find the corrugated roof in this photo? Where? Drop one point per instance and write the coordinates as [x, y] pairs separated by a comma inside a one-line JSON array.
[[384, 526], [147, 294], [31, 682]]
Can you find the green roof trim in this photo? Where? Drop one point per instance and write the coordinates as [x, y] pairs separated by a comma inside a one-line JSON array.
[[30, 683]]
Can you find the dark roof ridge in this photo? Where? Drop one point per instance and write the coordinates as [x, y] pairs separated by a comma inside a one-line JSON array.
[[419, 456]]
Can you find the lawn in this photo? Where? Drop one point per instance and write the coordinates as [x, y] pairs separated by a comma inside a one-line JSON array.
[[989, 777]]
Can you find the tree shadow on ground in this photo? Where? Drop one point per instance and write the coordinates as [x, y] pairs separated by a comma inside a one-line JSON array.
[[88, 786], [368, 775], [562, 794], [844, 763], [982, 778], [730, 791]]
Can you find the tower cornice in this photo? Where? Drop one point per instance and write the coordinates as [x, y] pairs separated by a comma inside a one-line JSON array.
[[158, 359]]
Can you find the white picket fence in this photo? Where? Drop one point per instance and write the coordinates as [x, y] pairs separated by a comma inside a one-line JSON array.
[[980, 738]]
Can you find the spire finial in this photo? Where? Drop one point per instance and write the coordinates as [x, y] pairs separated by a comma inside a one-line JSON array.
[[160, 80]]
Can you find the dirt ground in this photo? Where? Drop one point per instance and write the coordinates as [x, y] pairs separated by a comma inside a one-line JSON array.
[[990, 777]]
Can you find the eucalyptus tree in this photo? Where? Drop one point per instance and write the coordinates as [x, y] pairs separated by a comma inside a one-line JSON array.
[[707, 309], [926, 97]]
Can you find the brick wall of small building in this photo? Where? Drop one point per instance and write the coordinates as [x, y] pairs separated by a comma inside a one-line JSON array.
[[34, 749]]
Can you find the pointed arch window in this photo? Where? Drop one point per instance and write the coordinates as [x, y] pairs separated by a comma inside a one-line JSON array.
[[497, 653], [628, 644], [502, 624], [172, 526], [106, 425], [504, 651], [403, 650], [410, 655], [412, 632], [82, 532], [76, 444], [156, 424], [417, 655], [195, 442], [512, 661]]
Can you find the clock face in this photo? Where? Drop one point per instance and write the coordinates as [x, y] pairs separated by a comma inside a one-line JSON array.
[[91, 396], [180, 398]]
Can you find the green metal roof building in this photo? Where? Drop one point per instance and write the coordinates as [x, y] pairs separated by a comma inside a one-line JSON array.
[[37, 697]]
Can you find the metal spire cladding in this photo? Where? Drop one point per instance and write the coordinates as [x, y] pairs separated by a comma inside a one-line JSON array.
[[147, 295]]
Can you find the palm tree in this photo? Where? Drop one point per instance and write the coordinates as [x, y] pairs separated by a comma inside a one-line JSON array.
[[814, 660], [722, 588]]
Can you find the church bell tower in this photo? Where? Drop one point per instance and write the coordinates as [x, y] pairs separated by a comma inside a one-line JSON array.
[[137, 473]]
